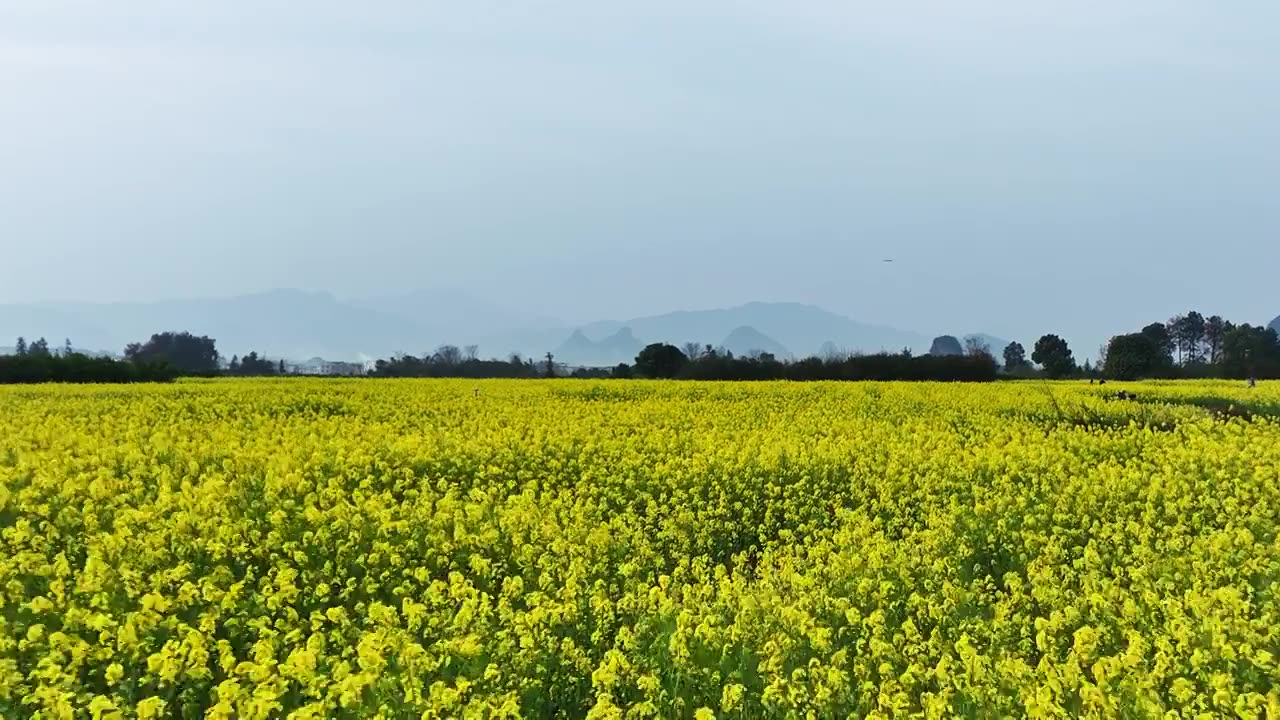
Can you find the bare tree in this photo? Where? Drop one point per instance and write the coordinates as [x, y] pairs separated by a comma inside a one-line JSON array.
[[449, 355], [1176, 325], [472, 352], [692, 350], [832, 352], [974, 346]]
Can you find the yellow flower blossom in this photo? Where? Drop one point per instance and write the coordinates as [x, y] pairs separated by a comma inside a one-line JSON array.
[[310, 548]]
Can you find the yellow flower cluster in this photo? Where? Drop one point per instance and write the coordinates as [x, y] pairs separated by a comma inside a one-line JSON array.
[[329, 548]]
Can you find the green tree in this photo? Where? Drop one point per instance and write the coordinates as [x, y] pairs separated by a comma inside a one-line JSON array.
[[1215, 328], [1132, 356], [1159, 334], [1054, 355], [1248, 351], [1188, 332], [254, 364], [660, 360], [20, 348], [39, 348], [183, 351], [1015, 356]]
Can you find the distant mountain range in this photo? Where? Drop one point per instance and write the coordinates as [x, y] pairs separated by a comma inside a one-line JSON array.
[[746, 340], [447, 313], [623, 346], [284, 323], [788, 328], [281, 323], [578, 349], [298, 324], [1275, 324]]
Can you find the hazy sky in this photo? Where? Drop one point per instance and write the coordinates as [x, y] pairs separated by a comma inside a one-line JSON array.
[[1082, 166]]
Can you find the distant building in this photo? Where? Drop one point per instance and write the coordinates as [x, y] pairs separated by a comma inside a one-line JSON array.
[[320, 366], [344, 368]]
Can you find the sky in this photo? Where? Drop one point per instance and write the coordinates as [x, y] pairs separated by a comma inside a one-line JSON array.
[[1081, 167]]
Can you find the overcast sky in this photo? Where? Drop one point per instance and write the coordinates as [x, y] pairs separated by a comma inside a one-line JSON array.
[[1083, 166]]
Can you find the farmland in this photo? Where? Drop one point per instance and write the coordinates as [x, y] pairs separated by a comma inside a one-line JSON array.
[[330, 548]]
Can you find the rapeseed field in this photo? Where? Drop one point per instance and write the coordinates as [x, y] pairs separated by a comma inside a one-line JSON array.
[[572, 549]]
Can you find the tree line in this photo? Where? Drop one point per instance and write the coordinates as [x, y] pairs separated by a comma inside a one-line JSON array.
[[1194, 346], [693, 362], [662, 360], [162, 358], [452, 361], [252, 365], [1185, 346], [35, 363]]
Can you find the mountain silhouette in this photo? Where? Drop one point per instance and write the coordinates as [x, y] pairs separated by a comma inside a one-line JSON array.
[[454, 316], [278, 323], [620, 347], [802, 329], [298, 324], [747, 341], [946, 345]]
